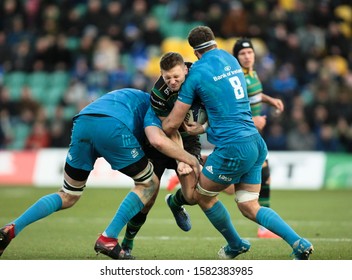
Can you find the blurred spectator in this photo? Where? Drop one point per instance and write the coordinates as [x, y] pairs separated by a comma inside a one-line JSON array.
[[214, 18], [74, 94], [259, 22], [71, 22], [10, 10], [28, 108], [21, 56], [301, 138], [152, 37], [115, 19], [344, 130], [18, 31], [60, 129], [327, 140], [8, 105], [276, 138], [96, 16], [50, 18], [133, 33], [2, 135], [321, 14], [235, 22], [311, 40], [5, 51], [8, 113], [62, 56], [32, 9], [87, 45], [140, 81], [38, 138], [42, 59], [285, 84], [106, 55]]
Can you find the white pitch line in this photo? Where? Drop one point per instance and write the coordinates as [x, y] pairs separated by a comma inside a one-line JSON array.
[[208, 238]]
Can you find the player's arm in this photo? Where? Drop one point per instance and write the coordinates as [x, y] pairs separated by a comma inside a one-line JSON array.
[[259, 122], [195, 128], [174, 120], [275, 102], [176, 137], [164, 144]]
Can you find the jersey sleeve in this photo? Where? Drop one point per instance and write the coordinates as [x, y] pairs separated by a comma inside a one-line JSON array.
[[151, 119], [157, 99]]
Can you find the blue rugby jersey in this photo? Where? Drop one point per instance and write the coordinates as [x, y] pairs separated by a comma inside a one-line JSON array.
[[218, 79], [127, 105], [151, 119]]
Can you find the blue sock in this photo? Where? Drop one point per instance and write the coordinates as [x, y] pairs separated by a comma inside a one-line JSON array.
[[220, 218], [43, 207], [129, 207], [268, 218]]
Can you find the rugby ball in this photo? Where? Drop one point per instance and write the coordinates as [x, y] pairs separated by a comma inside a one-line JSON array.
[[196, 113]]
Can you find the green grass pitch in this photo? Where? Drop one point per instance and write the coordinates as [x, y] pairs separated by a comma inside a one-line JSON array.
[[324, 217]]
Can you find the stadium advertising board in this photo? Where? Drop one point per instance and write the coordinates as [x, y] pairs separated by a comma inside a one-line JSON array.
[[289, 170]]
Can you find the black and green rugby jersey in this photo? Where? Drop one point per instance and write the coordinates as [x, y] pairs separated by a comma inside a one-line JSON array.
[[162, 98], [254, 90]]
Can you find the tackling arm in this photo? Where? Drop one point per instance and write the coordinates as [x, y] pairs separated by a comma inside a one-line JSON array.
[[164, 144], [174, 120]]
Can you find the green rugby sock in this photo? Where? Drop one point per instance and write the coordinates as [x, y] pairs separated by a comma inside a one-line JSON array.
[[177, 200], [132, 228]]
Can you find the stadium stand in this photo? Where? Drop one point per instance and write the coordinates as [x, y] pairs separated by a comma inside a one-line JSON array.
[[303, 54]]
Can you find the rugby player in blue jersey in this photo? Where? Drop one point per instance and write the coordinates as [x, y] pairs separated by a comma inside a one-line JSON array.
[[113, 127], [218, 80]]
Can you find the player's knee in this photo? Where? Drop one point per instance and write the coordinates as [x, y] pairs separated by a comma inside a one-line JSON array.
[[74, 188], [147, 178], [245, 196], [205, 192], [73, 185], [247, 203]]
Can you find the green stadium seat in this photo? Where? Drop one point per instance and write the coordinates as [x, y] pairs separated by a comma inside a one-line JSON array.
[[38, 82], [15, 92], [53, 95], [39, 93], [38, 79], [160, 12], [14, 81], [18, 78], [73, 43], [59, 79], [50, 111], [70, 112], [20, 133]]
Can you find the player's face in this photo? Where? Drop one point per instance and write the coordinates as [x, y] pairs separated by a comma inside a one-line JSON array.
[[175, 77], [246, 58]]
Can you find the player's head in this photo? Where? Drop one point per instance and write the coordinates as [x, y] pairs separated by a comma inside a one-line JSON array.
[[173, 70], [201, 39], [244, 52]]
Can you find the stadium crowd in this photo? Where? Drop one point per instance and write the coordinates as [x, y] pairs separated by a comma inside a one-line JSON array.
[[56, 56]]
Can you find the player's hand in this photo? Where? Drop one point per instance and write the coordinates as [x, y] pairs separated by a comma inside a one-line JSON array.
[[259, 122], [184, 169], [278, 104], [193, 128]]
